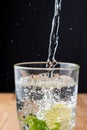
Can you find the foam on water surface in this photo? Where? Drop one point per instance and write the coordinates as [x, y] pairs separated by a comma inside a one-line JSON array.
[[57, 81]]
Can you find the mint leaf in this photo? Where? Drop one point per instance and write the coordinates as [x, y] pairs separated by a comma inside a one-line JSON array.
[[36, 124], [57, 126]]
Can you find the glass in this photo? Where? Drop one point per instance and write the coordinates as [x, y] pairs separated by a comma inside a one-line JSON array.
[[46, 97]]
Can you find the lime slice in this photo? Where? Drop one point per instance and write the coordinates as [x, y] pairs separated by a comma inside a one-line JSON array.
[[58, 113]]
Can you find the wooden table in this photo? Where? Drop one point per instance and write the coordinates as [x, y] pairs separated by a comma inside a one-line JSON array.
[[8, 115]]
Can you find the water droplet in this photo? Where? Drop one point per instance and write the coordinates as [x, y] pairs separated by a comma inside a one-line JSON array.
[[29, 4], [22, 18], [70, 28], [32, 47], [35, 8], [12, 41], [26, 90], [17, 24], [39, 55]]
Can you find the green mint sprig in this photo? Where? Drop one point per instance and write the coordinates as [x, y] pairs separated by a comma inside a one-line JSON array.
[[37, 124]]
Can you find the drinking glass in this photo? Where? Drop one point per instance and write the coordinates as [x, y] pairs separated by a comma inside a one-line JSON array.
[[46, 98]]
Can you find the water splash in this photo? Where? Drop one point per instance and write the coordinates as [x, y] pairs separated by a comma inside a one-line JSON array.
[[54, 36]]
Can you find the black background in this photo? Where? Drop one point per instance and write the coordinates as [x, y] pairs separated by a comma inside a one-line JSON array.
[[25, 29]]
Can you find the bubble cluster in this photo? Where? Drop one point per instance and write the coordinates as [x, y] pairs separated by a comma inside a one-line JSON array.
[[38, 93]]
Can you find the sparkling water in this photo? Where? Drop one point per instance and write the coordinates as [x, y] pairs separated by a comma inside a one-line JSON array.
[[46, 103], [54, 35]]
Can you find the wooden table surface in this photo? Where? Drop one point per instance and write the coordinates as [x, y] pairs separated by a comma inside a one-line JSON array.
[[8, 115]]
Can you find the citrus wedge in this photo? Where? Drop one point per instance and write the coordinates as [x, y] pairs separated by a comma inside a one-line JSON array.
[[58, 113]]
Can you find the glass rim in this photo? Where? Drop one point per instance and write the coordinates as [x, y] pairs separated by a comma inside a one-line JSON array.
[[72, 66]]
